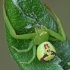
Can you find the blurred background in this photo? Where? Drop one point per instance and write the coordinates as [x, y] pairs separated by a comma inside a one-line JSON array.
[[60, 7]]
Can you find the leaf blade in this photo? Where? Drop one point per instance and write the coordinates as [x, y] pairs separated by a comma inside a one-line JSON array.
[[42, 17]]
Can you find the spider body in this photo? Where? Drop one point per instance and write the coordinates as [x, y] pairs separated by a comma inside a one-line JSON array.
[[45, 50]]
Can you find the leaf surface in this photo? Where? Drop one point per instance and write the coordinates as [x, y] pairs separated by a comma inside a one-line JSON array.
[[22, 13]]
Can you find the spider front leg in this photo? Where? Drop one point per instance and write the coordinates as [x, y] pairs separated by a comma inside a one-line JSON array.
[[12, 31], [60, 36]]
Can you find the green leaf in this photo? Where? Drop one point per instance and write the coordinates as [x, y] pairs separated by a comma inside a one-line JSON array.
[[64, 48], [22, 13]]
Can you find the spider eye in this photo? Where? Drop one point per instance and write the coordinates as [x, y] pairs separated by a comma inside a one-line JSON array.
[[46, 51]]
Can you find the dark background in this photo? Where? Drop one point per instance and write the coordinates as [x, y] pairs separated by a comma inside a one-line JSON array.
[[61, 8]]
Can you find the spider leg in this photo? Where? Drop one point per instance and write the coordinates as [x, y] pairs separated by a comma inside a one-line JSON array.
[[52, 39], [56, 35], [33, 57], [24, 50], [60, 36], [12, 31]]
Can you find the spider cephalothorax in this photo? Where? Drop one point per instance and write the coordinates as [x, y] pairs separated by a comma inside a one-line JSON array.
[[42, 35]]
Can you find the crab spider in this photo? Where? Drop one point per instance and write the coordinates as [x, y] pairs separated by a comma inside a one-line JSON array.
[[40, 37]]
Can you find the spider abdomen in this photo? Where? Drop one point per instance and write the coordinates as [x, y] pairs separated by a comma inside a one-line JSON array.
[[46, 51]]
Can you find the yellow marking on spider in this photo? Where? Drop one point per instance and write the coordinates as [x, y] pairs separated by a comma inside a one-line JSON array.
[[43, 33]]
